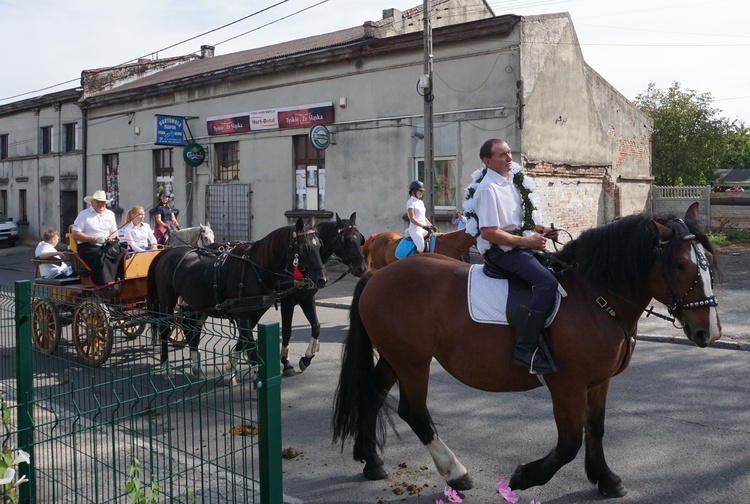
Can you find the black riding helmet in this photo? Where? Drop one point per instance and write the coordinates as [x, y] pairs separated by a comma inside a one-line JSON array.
[[416, 185]]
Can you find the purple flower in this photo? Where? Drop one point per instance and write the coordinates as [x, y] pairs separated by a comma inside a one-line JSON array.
[[508, 494], [452, 495], [439, 501]]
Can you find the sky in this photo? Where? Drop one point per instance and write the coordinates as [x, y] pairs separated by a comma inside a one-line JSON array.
[[702, 44]]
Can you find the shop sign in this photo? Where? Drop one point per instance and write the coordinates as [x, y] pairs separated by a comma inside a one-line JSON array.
[[320, 137], [170, 130], [194, 154]]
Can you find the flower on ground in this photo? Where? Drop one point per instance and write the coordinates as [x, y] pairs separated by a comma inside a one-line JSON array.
[[535, 502], [452, 495], [508, 494], [439, 501]]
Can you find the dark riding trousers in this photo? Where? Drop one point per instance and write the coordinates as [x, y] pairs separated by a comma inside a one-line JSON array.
[[521, 262]]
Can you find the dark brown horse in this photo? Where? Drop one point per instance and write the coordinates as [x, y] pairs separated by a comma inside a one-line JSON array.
[[380, 249], [234, 281], [342, 239], [416, 310]]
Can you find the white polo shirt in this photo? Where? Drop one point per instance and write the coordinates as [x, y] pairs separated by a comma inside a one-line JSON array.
[[90, 223], [498, 203]]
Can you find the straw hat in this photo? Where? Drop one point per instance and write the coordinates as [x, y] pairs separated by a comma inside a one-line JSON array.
[[98, 196]]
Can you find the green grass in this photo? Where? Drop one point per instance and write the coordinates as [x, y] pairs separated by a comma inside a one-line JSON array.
[[728, 236]]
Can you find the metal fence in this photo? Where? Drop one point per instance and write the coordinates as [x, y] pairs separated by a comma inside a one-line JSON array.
[[91, 431]]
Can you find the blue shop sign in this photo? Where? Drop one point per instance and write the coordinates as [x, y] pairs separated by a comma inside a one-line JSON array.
[[170, 130]]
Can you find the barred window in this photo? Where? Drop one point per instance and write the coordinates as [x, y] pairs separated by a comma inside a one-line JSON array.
[[228, 160]]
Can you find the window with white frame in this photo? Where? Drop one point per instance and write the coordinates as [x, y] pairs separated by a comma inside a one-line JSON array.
[[444, 181], [45, 139], [70, 138]]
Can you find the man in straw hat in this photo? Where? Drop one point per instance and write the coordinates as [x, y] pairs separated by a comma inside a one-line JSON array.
[[95, 231]]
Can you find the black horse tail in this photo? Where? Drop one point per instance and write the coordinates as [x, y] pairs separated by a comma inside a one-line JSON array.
[[358, 399]]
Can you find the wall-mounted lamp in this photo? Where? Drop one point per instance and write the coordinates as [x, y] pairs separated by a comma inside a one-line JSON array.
[[131, 115], [417, 134]]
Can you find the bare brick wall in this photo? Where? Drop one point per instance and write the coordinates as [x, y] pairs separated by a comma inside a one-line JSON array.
[[574, 198]]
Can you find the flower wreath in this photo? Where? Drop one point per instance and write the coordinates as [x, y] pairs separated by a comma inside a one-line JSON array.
[[529, 199]]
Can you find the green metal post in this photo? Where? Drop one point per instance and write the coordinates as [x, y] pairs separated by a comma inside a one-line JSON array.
[[24, 374], [268, 385]]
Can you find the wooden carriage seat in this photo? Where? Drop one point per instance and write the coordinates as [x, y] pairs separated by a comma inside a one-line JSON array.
[[80, 267]]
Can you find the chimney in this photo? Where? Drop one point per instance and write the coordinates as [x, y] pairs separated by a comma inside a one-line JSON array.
[[207, 51]]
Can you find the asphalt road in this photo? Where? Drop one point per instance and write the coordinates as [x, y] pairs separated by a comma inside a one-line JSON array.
[[678, 423]]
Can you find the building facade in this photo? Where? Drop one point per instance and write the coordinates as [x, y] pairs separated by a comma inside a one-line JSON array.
[[251, 115], [41, 161]]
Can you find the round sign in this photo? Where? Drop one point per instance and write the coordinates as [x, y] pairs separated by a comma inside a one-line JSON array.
[[193, 154], [320, 137]]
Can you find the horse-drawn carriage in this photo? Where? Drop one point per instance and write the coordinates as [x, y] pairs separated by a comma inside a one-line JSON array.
[[94, 312]]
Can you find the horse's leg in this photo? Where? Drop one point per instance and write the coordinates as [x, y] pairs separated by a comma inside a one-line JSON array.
[[193, 337], [308, 308], [287, 314], [365, 444], [597, 470], [164, 327], [412, 408], [245, 343], [569, 408]]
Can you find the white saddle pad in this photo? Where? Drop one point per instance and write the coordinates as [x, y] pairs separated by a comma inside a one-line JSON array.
[[487, 298]]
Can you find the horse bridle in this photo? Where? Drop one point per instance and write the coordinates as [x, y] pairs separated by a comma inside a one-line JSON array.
[[295, 253], [341, 238], [675, 305]]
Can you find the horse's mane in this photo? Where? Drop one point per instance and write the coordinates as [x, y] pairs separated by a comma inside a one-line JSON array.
[[619, 254], [272, 248]]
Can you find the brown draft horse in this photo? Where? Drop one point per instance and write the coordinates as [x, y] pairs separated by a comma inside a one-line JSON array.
[[380, 250], [416, 310]]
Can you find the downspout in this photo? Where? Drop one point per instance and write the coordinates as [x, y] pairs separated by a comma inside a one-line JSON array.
[[84, 143]]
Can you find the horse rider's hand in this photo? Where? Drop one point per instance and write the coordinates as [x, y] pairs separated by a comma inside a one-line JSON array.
[[100, 240], [536, 241], [426, 228], [433, 229], [550, 233]]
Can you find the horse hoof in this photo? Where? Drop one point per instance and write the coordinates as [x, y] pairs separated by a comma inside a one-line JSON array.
[[230, 382], [616, 489], [304, 363], [517, 481], [289, 371], [375, 472], [462, 483]]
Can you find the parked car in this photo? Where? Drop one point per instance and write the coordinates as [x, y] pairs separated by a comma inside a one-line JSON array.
[[8, 230]]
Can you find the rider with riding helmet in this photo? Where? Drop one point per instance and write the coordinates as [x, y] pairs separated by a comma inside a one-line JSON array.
[[419, 225]]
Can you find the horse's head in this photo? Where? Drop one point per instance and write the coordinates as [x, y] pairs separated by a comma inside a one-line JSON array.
[[682, 278], [305, 252], [206, 235], [348, 244]]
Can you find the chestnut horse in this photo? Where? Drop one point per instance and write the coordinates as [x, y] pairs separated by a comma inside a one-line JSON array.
[[416, 310], [380, 249]]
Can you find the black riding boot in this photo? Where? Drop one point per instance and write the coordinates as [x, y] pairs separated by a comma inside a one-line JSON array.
[[528, 353]]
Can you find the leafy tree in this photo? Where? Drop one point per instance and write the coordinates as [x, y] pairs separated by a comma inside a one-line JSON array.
[[690, 140]]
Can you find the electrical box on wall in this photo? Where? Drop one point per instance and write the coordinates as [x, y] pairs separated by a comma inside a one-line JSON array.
[[424, 81]]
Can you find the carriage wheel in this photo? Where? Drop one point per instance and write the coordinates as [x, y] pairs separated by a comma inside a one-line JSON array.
[[91, 333], [46, 326]]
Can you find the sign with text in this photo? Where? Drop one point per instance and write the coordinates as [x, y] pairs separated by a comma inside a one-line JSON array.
[[297, 116], [226, 125], [170, 130], [304, 116]]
